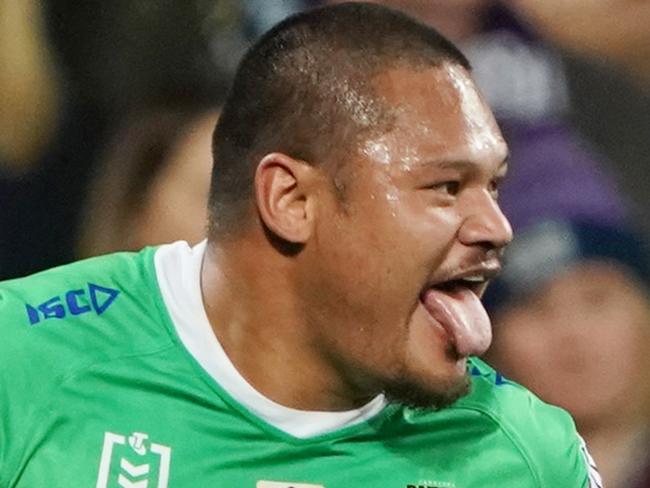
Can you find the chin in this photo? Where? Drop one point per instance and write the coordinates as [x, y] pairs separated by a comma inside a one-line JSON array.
[[433, 394]]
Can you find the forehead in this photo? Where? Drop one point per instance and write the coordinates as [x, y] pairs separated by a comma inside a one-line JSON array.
[[437, 113]]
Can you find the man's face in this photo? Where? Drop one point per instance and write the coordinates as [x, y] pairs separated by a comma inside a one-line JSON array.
[[400, 261]]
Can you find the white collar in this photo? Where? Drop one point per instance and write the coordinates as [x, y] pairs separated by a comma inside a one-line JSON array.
[[178, 269]]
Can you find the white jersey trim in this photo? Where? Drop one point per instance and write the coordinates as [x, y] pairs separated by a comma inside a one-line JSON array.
[[595, 480], [178, 269]]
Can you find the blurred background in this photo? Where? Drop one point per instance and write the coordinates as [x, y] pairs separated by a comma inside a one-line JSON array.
[[106, 113]]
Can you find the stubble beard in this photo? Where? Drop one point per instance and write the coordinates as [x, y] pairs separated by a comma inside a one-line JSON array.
[[433, 394], [414, 389]]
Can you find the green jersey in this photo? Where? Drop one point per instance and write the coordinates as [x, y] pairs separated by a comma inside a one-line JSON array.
[[110, 376]]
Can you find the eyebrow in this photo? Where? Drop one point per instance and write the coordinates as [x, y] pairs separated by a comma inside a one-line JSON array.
[[461, 164]]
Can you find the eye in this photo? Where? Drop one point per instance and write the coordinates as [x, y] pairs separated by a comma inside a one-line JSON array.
[[493, 188], [451, 187]]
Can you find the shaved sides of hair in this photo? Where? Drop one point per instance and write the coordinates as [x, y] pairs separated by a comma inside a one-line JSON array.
[[305, 89]]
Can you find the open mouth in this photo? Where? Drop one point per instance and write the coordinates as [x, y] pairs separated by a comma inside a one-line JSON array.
[[456, 306], [475, 283]]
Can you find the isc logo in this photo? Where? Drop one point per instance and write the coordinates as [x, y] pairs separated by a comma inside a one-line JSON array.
[[75, 302]]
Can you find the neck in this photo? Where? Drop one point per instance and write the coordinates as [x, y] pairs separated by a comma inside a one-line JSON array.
[[265, 331], [619, 451]]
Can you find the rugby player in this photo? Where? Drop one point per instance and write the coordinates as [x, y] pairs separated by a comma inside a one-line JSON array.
[[326, 332]]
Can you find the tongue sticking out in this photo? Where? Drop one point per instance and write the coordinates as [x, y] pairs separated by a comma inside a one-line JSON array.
[[461, 314]]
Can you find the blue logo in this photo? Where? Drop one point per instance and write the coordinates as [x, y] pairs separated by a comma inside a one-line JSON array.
[[496, 377], [74, 302]]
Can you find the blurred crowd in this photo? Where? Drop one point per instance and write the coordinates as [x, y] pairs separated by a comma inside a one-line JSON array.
[[106, 115]]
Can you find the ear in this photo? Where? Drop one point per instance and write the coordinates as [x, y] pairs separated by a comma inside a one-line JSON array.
[[285, 195]]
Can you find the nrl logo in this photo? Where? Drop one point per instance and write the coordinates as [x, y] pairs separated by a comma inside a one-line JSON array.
[[133, 462]]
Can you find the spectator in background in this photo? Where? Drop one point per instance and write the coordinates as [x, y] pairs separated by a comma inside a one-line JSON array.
[[571, 311], [47, 140], [153, 182], [617, 31], [71, 74], [29, 86]]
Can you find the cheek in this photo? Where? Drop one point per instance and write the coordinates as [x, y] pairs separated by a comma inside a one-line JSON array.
[[355, 273], [367, 249], [376, 256]]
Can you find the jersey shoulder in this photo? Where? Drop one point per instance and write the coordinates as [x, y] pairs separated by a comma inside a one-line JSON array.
[[66, 327], [545, 435], [55, 322]]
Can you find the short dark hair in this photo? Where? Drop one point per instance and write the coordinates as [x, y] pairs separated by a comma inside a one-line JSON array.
[[304, 89]]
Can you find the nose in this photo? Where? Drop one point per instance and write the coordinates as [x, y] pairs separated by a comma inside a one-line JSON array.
[[485, 224]]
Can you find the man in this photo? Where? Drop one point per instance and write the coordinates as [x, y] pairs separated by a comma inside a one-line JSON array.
[[322, 335]]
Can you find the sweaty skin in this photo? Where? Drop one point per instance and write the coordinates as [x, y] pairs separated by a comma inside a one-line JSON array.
[[343, 319]]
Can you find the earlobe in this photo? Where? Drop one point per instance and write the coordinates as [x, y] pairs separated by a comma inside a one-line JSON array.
[[283, 196]]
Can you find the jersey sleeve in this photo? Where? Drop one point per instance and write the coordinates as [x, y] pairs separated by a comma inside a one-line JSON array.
[[595, 480], [57, 323], [558, 455], [22, 380]]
